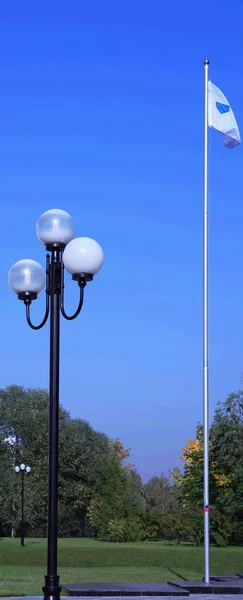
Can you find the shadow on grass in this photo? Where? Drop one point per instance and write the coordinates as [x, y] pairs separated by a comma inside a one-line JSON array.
[[33, 543], [177, 575]]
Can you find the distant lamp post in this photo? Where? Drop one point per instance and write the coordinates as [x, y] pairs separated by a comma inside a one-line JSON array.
[[83, 258], [22, 469]]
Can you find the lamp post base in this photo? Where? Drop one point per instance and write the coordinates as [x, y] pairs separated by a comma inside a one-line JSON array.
[[52, 589]]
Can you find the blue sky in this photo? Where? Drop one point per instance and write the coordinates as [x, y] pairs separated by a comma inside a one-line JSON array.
[[101, 110]]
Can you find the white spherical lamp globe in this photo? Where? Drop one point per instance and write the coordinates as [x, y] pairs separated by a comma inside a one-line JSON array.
[[22, 467], [55, 226], [26, 276], [28, 469], [17, 469], [83, 255]]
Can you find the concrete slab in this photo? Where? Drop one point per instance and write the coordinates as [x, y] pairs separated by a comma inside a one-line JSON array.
[[224, 577], [230, 586], [123, 589]]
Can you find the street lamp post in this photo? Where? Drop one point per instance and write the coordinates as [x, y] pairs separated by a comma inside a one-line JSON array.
[[22, 469], [83, 258]]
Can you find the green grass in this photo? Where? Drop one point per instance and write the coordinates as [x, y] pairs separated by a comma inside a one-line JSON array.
[[22, 569]]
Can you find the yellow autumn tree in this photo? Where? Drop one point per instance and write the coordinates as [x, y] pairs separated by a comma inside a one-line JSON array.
[[121, 453], [189, 480]]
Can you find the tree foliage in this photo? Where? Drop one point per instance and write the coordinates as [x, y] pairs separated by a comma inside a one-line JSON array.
[[88, 466], [160, 494], [100, 492], [226, 471]]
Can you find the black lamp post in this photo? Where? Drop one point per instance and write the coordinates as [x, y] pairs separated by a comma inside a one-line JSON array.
[[22, 469], [83, 258]]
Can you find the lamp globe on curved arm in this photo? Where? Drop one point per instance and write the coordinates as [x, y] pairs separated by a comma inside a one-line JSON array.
[[17, 469], [83, 257], [26, 278], [55, 226]]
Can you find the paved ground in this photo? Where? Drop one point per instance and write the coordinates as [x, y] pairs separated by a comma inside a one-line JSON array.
[[193, 597]]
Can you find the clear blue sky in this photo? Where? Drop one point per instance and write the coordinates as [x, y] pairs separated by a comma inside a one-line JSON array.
[[101, 111]]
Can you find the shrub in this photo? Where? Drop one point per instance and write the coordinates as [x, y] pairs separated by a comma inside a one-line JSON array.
[[220, 527], [134, 530], [116, 530]]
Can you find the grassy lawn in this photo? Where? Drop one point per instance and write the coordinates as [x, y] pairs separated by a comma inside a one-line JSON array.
[[22, 569]]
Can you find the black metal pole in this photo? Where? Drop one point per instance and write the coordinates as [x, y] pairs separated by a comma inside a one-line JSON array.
[[52, 589], [22, 508]]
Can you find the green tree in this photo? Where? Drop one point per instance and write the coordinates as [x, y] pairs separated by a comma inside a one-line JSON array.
[[8, 506], [80, 475], [160, 494], [24, 427], [136, 490], [24, 438], [113, 503], [226, 471], [227, 438]]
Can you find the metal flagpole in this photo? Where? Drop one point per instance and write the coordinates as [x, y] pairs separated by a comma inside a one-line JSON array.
[[205, 343]]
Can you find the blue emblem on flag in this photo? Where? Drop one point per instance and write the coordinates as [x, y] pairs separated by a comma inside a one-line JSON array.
[[222, 108]]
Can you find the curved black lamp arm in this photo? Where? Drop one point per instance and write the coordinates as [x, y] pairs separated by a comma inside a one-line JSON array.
[[45, 317], [36, 327], [81, 299]]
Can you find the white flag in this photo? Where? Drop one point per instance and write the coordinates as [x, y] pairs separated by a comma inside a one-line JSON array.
[[221, 116]]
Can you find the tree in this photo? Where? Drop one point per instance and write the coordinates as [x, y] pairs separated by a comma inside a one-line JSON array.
[[136, 490], [113, 501], [7, 504], [24, 427], [160, 494], [189, 483], [24, 438], [227, 439], [121, 453], [80, 475], [226, 471]]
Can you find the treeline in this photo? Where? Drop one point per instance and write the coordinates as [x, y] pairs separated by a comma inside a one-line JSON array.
[[100, 494]]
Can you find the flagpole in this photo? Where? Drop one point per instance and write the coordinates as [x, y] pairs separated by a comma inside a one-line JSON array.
[[205, 344]]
